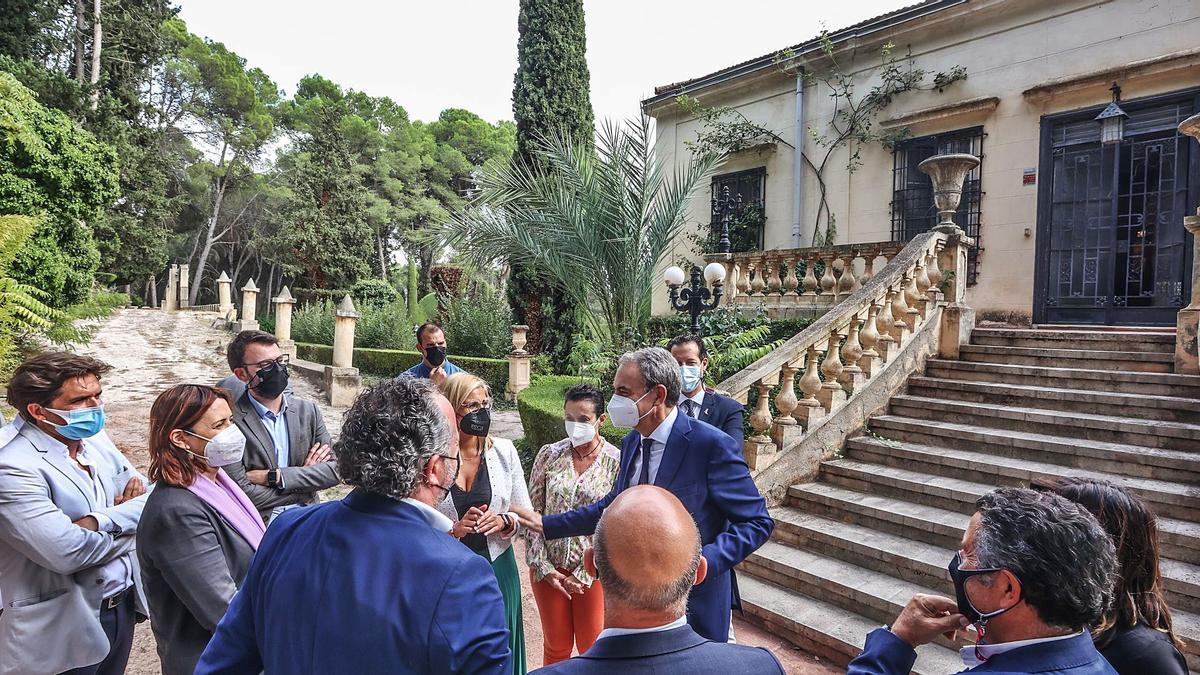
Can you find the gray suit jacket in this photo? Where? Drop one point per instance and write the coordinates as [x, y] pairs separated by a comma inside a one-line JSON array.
[[192, 562], [49, 567], [301, 483]]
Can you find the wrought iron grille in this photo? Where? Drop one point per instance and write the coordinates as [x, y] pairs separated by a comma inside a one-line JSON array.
[[748, 225], [913, 211]]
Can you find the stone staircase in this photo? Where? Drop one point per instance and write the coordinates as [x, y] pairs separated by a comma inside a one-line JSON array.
[[882, 521]]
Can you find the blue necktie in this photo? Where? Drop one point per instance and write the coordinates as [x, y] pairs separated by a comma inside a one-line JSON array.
[[690, 407], [644, 477]]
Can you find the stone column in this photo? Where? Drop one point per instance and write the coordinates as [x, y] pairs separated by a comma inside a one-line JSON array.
[[342, 381], [171, 296], [184, 285], [225, 297], [1187, 322], [283, 321], [958, 320], [518, 364], [249, 307]]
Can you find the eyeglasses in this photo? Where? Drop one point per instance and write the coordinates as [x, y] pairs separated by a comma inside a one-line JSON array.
[[476, 406], [282, 361]]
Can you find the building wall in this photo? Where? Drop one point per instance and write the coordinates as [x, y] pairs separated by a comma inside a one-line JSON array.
[[1007, 48]]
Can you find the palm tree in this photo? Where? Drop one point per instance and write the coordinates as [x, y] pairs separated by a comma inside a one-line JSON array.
[[598, 219]]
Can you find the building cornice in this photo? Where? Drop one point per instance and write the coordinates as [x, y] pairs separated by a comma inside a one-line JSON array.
[[1159, 65], [973, 106]]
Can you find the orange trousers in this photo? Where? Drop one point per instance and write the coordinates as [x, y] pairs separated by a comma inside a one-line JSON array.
[[567, 622]]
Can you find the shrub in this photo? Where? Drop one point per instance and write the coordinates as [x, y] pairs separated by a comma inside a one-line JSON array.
[[313, 322], [317, 295], [541, 410], [392, 362], [379, 327], [479, 323], [373, 293]]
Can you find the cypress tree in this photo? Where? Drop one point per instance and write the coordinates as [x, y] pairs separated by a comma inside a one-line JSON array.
[[550, 94]]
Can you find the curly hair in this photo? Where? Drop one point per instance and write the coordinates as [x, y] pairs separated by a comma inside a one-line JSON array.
[[1065, 561], [390, 434]]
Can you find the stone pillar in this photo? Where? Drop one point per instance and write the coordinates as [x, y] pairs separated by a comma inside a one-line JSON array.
[[518, 364], [184, 285], [249, 307], [171, 295], [1187, 322], [225, 296], [342, 381], [957, 319], [283, 321]]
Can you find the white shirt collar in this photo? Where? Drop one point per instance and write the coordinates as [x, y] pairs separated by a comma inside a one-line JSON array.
[[435, 519], [987, 651], [614, 632], [698, 398], [663, 432]]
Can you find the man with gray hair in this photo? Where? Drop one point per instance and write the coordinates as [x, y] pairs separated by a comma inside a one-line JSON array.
[[698, 463], [372, 583], [647, 554], [1034, 573]]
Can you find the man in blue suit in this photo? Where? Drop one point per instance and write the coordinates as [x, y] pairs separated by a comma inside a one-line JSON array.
[[647, 554], [373, 583], [1034, 572], [701, 402], [698, 463]]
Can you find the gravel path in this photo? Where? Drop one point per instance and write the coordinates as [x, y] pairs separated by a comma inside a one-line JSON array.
[[151, 350]]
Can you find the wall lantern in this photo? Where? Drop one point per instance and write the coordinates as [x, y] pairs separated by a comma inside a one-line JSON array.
[[1112, 119]]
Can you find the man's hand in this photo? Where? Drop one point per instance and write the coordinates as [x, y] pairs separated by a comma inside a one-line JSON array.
[[257, 477], [927, 616], [88, 523], [561, 583], [438, 375], [529, 519], [133, 489], [319, 453]]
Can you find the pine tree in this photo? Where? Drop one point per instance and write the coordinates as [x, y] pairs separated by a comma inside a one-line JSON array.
[[551, 94]]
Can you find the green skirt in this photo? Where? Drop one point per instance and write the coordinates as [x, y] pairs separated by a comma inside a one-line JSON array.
[[505, 568]]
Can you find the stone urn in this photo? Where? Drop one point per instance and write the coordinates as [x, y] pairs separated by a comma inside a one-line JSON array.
[[948, 173], [519, 339]]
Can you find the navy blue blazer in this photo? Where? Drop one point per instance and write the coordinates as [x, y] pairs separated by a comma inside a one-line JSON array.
[[679, 650], [703, 467], [362, 585], [725, 414], [885, 654]]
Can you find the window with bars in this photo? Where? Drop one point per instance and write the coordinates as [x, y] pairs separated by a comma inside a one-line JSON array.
[[748, 224], [913, 211]]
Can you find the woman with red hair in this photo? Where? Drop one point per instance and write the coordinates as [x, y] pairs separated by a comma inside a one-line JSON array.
[[198, 530]]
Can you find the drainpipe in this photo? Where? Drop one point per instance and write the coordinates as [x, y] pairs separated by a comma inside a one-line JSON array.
[[798, 162]]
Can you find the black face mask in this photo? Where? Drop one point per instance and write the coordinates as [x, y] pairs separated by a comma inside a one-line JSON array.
[[435, 355], [959, 577], [272, 380], [477, 423]]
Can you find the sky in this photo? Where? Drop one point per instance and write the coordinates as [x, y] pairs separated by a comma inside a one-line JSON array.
[[437, 54]]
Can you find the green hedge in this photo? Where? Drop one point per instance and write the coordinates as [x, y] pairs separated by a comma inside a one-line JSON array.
[[391, 362], [541, 409]]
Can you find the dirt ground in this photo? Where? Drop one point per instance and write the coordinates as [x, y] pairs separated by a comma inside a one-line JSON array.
[[151, 350]]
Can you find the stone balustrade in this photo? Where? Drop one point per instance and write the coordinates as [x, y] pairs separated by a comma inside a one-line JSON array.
[[796, 280], [876, 310]]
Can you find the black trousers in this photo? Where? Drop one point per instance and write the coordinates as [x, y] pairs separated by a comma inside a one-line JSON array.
[[118, 625]]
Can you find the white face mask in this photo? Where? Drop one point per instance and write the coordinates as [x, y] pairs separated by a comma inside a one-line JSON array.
[[691, 377], [623, 410], [580, 433], [223, 449]]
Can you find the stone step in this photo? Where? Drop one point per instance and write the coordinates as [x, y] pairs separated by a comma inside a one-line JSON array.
[[1170, 499], [872, 594], [1187, 627], [1146, 362], [1182, 583], [1153, 384], [1120, 341], [824, 629], [1167, 330], [1150, 433], [1130, 460], [867, 490], [1141, 406]]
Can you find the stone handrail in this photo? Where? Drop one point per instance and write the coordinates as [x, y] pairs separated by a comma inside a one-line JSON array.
[[852, 342]]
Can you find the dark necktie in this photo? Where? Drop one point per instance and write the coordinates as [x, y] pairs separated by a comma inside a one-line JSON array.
[[644, 477], [690, 407]]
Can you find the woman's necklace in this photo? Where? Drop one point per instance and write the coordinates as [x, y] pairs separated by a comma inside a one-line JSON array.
[[589, 454]]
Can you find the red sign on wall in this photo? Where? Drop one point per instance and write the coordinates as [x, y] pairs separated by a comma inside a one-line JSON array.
[[1029, 177]]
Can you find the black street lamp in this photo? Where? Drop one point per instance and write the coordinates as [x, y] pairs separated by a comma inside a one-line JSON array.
[[695, 298], [724, 207]]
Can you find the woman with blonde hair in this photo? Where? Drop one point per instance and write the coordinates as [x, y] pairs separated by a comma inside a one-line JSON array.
[[490, 480]]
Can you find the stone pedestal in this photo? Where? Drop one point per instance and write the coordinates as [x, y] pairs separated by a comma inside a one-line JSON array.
[[1187, 361], [184, 285], [249, 307], [283, 321], [955, 331], [852, 379], [759, 452], [831, 396], [224, 295], [808, 415], [342, 385], [170, 301], [519, 362]]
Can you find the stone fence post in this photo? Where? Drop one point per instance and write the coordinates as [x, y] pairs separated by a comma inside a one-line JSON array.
[[249, 306], [518, 364], [283, 321], [184, 285], [171, 296], [225, 296], [342, 381]]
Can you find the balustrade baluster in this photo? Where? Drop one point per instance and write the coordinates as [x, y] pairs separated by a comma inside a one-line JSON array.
[[774, 277], [912, 298], [808, 409], [921, 283], [846, 281], [900, 327], [759, 284], [868, 266], [810, 276], [831, 394], [868, 337], [785, 399], [743, 279], [828, 282], [883, 323], [934, 273], [852, 376], [790, 281]]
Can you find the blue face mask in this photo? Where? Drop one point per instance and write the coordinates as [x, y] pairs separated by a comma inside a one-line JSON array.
[[691, 376], [81, 423]]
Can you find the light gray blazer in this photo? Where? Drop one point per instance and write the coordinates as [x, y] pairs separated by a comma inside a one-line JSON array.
[[508, 487], [49, 568], [301, 483]]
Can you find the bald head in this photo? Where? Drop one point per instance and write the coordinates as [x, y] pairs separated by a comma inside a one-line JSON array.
[[647, 550]]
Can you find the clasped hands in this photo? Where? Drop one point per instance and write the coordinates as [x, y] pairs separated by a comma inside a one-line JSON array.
[[477, 520]]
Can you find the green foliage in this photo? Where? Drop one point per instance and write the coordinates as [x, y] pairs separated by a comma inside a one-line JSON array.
[[745, 233], [731, 352], [373, 292], [313, 322], [51, 168], [541, 410], [380, 326], [22, 309], [724, 129], [392, 362]]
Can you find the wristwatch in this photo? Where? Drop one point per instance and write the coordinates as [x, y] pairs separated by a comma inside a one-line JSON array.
[[273, 478]]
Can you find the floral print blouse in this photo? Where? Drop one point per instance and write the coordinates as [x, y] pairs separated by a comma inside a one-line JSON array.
[[554, 487]]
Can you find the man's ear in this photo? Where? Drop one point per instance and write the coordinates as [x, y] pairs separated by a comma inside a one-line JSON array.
[[701, 571], [589, 563], [241, 374], [36, 412], [704, 363]]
